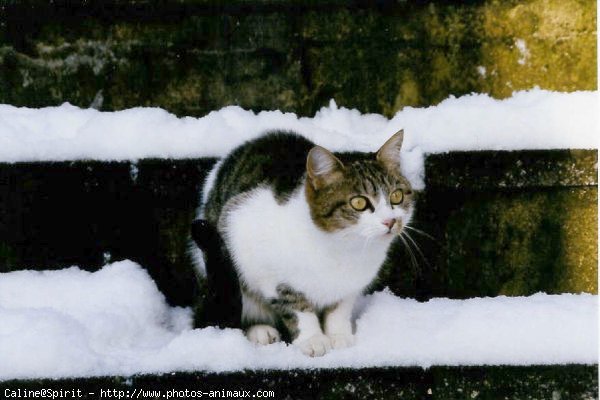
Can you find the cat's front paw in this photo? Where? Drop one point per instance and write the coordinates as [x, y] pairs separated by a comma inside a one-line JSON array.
[[342, 340], [315, 346], [263, 334]]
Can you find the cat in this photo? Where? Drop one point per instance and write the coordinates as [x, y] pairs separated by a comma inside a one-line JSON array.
[[292, 234]]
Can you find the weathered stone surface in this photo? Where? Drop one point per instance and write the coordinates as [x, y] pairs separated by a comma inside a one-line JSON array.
[[491, 170], [487, 383], [512, 223], [514, 242], [538, 42], [192, 57]]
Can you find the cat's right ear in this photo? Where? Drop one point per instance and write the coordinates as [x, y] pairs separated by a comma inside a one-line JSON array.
[[322, 167]]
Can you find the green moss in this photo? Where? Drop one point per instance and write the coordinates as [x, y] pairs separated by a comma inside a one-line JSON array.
[[519, 243], [550, 44], [579, 242], [8, 257]]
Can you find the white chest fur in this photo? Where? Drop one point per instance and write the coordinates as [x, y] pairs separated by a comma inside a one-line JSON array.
[[273, 244]]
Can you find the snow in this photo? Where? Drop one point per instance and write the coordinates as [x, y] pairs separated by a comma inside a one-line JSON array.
[[73, 323], [534, 119], [523, 51]]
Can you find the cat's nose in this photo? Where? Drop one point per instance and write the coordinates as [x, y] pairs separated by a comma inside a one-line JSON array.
[[389, 222]]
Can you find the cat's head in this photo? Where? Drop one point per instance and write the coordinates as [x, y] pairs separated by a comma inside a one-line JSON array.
[[369, 198]]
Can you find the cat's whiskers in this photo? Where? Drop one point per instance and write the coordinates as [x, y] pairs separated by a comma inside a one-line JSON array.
[[417, 248], [412, 228], [413, 259]]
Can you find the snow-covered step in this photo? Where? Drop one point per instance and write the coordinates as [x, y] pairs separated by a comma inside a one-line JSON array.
[[533, 119], [73, 323]]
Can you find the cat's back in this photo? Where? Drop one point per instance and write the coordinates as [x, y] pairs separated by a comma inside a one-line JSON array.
[[276, 159]]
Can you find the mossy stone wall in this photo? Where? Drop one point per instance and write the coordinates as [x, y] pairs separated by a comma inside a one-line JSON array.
[[191, 57], [522, 242], [510, 223]]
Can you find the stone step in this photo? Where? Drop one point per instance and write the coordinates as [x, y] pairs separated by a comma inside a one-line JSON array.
[[497, 170], [556, 382], [511, 223]]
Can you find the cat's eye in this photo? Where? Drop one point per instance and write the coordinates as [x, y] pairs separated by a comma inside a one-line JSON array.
[[397, 197], [359, 203]]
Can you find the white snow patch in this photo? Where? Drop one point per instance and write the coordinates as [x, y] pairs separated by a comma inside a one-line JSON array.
[[134, 171], [523, 51], [482, 71], [534, 119], [72, 323]]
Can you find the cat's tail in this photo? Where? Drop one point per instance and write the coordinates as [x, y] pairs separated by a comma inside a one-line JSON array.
[[202, 233], [222, 305]]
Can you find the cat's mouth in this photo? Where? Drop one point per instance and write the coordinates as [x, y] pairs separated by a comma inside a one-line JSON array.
[[391, 232], [396, 230]]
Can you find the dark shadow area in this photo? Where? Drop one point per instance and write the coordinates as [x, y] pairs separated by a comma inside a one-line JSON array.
[[88, 213], [406, 383]]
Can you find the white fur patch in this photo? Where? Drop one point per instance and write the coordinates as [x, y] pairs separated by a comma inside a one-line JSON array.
[[308, 326], [273, 244], [263, 334], [315, 346], [338, 321], [209, 182]]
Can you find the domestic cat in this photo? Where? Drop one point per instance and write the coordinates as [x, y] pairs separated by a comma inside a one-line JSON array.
[[299, 232]]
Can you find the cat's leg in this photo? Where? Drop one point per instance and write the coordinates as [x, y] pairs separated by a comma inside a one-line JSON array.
[[300, 319], [258, 320], [338, 324]]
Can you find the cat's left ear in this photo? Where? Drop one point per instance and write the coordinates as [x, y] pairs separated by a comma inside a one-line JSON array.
[[389, 153]]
